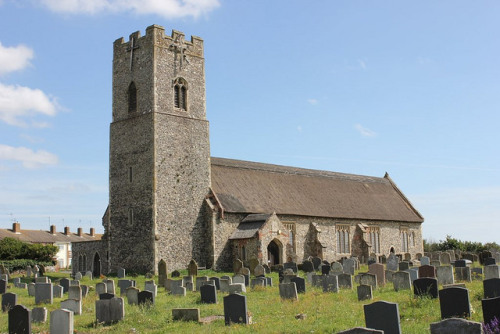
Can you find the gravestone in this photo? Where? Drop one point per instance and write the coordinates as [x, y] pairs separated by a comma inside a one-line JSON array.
[[31, 289], [291, 265], [189, 279], [445, 275], [252, 263], [162, 272], [110, 286], [239, 279], [100, 288], [349, 266], [401, 280], [208, 294], [237, 265], [39, 314], [426, 271], [64, 282], [132, 294], [89, 274], [109, 311], [377, 269], [368, 279], [73, 283], [425, 287], [124, 284], [9, 300], [288, 291], [491, 287], [224, 284], [29, 271], [75, 292], [235, 309], [43, 293], [246, 273], [216, 280], [316, 280], [259, 281], [193, 268], [413, 274], [186, 314], [460, 264], [491, 271], [72, 305], [425, 261], [177, 289], [16, 280], [3, 286], [300, 284], [175, 273], [361, 330], [316, 262], [307, 266], [463, 274], [491, 310], [78, 276], [454, 303], [121, 273], [345, 281], [151, 286], [146, 298], [237, 288], [388, 275], [445, 259], [403, 266], [383, 316], [61, 322], [325, 269], [330, 283], [57, 291], [259, 270], [336, 269], [19, 320], [266, 267], [201, 280], [106, 295], [392, 262], [364, 292], [456, 326]]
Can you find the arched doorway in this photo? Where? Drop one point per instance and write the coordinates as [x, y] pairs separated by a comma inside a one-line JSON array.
[[274, 253], [96, 272]]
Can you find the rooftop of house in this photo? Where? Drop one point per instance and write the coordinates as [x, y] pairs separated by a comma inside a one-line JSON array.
[[46, 237]]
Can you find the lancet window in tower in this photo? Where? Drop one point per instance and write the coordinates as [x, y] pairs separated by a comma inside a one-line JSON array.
[[132, 97], [180, 93]]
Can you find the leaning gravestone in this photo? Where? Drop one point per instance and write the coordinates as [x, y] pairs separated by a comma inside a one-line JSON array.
[[425, 287], [19, 320], [208, 294], [61, 322], [454, 303], [384, 316], [491, 287], [445, 275], [9, 300], [109, 311], [162, 272], [401, 281], [456, 326], [491, 310], [235, 309], [146, 298], [193, 268]]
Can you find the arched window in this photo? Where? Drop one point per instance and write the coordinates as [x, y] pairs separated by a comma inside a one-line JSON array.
[[180, 94], [132, 97]]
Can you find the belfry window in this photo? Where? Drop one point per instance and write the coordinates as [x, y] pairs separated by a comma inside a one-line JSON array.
[[132, 97], [180, 94]]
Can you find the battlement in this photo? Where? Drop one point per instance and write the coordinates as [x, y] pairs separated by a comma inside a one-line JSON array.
[[155, 34]]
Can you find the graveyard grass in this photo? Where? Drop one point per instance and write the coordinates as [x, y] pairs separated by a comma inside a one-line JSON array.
[[324, 312]]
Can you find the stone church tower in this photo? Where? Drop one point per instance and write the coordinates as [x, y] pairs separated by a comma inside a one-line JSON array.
[[159, 152]]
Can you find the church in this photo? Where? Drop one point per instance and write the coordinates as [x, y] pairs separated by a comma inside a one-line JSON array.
[[169, 199]]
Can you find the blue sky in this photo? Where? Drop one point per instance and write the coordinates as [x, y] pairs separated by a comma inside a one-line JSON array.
[[362, 87]]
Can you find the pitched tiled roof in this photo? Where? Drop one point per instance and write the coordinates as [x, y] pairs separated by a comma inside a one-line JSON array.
[[250, 187], [249, 226], [39, 236]]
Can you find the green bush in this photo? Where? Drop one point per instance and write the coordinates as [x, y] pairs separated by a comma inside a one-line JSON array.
[[21, 264], [452, 243], [13, 249]]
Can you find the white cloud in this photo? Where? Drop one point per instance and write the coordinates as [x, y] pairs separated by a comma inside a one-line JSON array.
[[28, 157], [365, 132], [165, 8], [14, 58], [18, 102], [313, 101]]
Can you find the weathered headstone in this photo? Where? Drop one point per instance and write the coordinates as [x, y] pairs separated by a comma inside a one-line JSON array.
[[151, 286], [445, 275], [460, 264], [109, 310], [9, 300], [64, 282], [162, 272], [445, 259], [288, 291], [368, 279], [73, 305], [258, 281], [491, 271], [19, 320], [186, 314], [106, 295], [425, 287], [291, 265], [78, 276], [364, 292], [491, 287], [377, 269], [237, 288], [349, 266], [427, 271], [463, 274], [403, 265], [193, 268], [235, 309], [455, 326], [208, 294], [413, 274], [454, 303], [239, 279], [388, 275], [259, 270], [146, 298], [316, 262], [43, 293], [237, 265], [345, 281], [100, 288], [175, 273], [31, 289], [307, 266], [383, 316], [89, 274], [124, 284], [110, 285], [132, 294], [201, 280], [401, 280], [39, 314], [177, 289], [336, 268], [75, 292], [330, 283], [43, 279], [121, 273], [224, 284], [3, 286], [61, 321], [491, 310], [216, 281], [300, 284], [425, 261]]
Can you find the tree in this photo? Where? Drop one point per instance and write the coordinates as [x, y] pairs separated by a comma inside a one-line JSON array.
[[12, 249]]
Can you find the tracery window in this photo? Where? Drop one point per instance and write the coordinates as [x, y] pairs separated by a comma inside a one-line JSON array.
[[180, 94], [374, 233], [291, 233], [404, 239], [343, 243]]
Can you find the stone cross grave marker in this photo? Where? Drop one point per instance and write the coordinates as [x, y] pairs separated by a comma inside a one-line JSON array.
[[454, 303], [383, 316], [235, 309]]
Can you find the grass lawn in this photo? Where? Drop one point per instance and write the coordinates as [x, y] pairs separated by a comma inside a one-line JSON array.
[[325, 312]]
